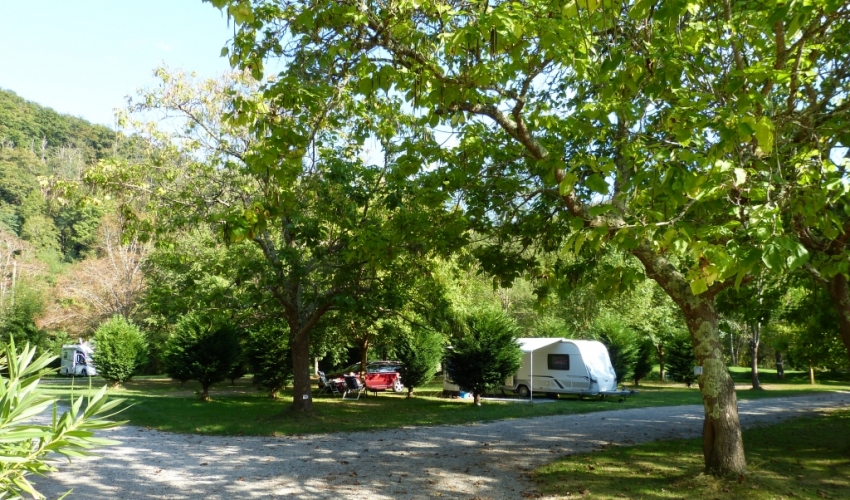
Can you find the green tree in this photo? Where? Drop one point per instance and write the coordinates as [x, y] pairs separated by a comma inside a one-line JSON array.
[[202, 349], [331, 228], [28, 448], [657, 129], [269, 357], [120, 349], [621, 343], [420, 353], [486, 353], [644, 360], [681, 360]]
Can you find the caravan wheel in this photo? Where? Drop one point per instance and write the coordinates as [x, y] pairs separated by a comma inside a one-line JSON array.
[[522, 391]]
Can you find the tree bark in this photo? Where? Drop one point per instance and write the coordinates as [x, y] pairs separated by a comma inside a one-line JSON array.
[[659, 349], [364, 356], [723, 447], [302, 395], [476, 398], [754, 350], [780, 366], [205, 393], [840, 295], [811, 375]]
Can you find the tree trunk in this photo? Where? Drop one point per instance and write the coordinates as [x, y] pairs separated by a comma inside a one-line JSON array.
[[205, 392], [754, 350], [780, 366], [409, 392], [660, 350], [723, 447], [476, 398], [840, 294], [812, 375], [364, 356], [302, 396], [733, 354]]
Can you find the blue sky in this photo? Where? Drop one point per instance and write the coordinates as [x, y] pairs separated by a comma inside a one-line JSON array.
[[82, 57]]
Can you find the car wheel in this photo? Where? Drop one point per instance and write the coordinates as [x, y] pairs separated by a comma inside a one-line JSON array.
[[522, 391], [397, 385]]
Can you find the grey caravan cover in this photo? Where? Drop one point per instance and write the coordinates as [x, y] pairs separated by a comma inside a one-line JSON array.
[[598, 363]]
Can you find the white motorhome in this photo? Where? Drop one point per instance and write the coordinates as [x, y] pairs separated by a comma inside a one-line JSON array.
[[77, 360], [563, 366]]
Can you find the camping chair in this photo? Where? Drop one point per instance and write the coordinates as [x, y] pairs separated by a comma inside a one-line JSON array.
[[353, 386], [327, 386]]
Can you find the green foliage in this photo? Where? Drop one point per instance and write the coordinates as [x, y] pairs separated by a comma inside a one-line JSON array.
[[420, 353], [30, 449], [807, 335], [644, 361], [202, 349], [486, 354], [269, 357], [17, 318], [621, 343], [681, 360], [120, 349]]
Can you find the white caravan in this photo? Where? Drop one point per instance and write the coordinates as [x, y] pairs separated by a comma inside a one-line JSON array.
[[77, 360], [562, 366]]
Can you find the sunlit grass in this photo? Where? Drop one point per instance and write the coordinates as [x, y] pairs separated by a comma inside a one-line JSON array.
[[803, 458], [242, 409]]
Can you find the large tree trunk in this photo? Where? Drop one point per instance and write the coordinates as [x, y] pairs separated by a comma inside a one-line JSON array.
[[723, 447], [299, 341], [840, 294]]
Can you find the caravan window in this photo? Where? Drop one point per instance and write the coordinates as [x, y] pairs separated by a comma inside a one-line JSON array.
[[559, 361]]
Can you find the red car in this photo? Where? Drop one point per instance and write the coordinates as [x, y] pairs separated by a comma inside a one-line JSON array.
[[380, 375]]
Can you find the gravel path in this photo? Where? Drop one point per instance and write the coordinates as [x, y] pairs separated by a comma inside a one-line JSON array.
[[487, 460]]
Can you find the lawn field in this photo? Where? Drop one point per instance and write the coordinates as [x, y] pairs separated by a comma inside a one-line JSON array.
[[240, 409], [802, 458]]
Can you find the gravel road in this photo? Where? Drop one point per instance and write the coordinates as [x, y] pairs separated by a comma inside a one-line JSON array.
[[487, 460]]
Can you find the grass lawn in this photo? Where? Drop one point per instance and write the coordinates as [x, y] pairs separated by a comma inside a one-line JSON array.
[[162, 404], [801, 458]]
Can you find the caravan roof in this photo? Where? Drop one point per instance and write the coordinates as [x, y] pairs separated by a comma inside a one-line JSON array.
[[531, 345]]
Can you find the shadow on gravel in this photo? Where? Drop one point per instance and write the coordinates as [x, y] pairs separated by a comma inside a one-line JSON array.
[[489, 460]]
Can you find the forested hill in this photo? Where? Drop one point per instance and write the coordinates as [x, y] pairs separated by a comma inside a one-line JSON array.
[[37, 141], [27, 125]]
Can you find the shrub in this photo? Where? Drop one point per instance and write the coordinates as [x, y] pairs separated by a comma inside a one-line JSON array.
[[29, 448], [681, 360], [621, 343], [202, 349], [644, 360], [486, 354], [420, 352], [119, 350], [270, 358]]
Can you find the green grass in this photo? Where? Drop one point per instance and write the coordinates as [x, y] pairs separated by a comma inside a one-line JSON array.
[[161, 404], [802, 458]]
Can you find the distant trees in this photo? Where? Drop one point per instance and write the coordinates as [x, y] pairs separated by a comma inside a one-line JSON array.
[[485, 354], [120, 349], [621, 342], [269, 357]]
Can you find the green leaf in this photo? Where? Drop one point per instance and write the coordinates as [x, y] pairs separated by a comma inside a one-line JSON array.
[[698, 286], [567, 183], [764, 134], [772, 257], [597, 184]]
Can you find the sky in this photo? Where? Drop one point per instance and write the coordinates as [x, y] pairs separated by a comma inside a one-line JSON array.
[[82, 57]]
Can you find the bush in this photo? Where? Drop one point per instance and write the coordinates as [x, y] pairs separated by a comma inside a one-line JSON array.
[[119, 350], [270, 358], [29, 448], [420, 353], [202, 349], [486, 354], [681, 360], [644, 360], [621, 343]]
